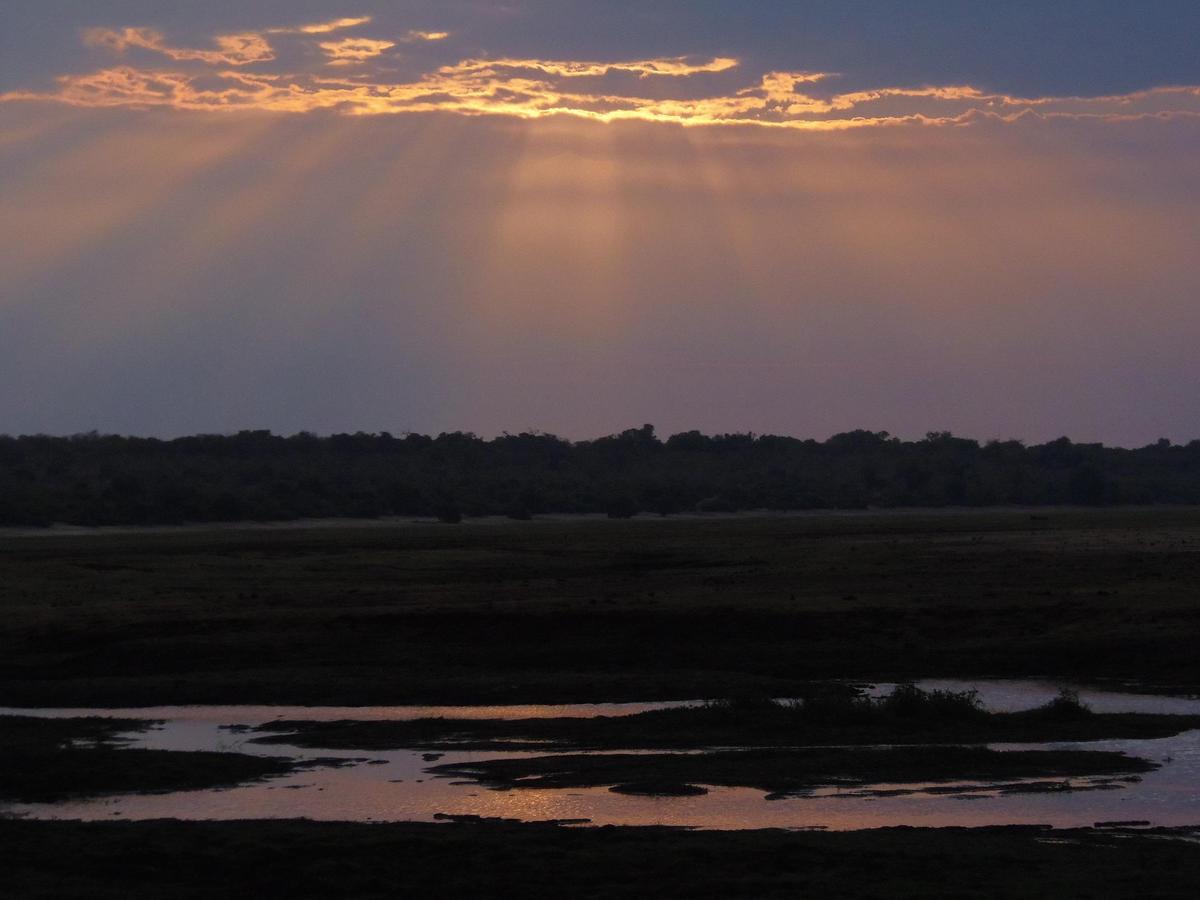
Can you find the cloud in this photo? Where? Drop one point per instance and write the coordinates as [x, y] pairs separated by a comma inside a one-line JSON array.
[[415, 36], [678, 66], [354, 50], [682, 90], [323, 27], [232, 49]]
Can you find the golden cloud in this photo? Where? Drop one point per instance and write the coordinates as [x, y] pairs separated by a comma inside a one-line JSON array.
[[323, 27], [532, 88], [414, 36], [232, 49], [354, 50], [678, 66]]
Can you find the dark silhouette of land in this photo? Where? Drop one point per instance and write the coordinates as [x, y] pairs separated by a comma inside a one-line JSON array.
[[256, 476], [783, 772], [831, 717], [201, 860], [597, 610]]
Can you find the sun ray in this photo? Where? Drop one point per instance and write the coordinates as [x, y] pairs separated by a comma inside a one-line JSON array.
[[82, 195], [218, 224], [561, 204]]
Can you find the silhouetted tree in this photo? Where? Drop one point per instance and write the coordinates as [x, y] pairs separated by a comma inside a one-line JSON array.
[[95, 479]]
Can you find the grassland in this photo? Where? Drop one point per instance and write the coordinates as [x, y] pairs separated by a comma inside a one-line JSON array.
[[557, 610]]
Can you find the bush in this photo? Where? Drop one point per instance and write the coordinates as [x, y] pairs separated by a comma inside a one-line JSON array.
[[1065, 706]]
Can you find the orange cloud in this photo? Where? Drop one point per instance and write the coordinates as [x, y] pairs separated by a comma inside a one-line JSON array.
[[354, 50], [323, 27], [232, 49], [414, 36], [675, 66], [534, 88]]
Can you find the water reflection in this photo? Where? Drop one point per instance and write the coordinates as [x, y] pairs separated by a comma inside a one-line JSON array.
[[395, 785], [257, 715]]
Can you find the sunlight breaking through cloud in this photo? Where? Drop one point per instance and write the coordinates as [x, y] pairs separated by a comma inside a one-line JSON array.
[[685, 90], [494, 227], [354, 50]]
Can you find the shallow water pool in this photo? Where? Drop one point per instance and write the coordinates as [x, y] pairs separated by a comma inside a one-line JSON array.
[[396, 786]]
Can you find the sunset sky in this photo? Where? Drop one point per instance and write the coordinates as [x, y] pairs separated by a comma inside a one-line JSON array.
[[789, 217]]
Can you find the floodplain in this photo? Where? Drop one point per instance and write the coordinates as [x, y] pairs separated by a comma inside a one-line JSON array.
[[631, 678]]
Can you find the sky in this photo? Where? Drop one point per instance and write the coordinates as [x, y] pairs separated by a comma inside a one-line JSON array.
[[577, 217]]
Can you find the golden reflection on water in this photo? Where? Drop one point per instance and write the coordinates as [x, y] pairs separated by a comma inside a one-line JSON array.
[[400, 787]]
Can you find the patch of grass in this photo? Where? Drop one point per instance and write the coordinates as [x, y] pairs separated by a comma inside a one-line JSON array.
[[1066, 707]]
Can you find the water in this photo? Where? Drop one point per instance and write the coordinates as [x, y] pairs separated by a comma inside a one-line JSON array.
[[396, 786]]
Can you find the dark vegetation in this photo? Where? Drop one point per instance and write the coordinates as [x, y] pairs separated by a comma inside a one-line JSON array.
[[201, 860], [45, 760], [908, 715], [596, 610], [658, 788], [783, 772], [254, 475]]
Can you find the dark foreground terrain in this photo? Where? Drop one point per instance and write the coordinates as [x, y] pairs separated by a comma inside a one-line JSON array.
[[203, 860], [553, 610], [594, 610]]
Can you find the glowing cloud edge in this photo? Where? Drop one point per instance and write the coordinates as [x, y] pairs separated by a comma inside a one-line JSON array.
[[535, 88]]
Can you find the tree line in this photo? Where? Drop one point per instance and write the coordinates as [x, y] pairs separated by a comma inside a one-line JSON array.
[[95, 479]]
